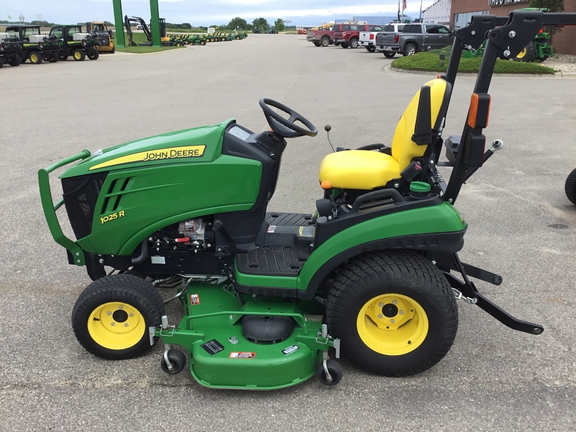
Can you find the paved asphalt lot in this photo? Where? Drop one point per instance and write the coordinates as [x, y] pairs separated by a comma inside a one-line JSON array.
[[521, 226]]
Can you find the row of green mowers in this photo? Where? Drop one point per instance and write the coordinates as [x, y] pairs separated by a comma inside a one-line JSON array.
[[203, 39], [25, 42]]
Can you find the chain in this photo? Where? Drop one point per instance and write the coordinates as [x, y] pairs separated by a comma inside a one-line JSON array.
[[459, 296]]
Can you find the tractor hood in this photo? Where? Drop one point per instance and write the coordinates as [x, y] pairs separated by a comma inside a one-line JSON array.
[[201, 144]]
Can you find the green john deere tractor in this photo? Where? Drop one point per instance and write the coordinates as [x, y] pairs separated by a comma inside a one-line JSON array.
[[270, 297]]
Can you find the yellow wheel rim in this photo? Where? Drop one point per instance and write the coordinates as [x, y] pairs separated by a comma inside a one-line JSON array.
[[77, 55], [392, 324], [33, 57], [521, 54], [116, 325]]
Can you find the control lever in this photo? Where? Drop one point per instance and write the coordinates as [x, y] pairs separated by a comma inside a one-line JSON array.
[[328, 128]]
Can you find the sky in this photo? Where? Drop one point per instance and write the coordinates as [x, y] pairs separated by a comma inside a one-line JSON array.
[[207, 12]]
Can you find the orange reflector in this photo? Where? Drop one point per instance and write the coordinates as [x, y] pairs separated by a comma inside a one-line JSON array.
[[479, 111], [326, 184]]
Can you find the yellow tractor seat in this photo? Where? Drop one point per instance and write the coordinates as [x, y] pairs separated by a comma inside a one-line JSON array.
[[367, 169]]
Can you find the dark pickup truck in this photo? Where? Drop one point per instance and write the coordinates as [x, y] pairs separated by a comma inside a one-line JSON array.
[[414, 38]]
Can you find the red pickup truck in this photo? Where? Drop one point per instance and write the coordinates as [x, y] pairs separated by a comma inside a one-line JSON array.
[[345, 35]]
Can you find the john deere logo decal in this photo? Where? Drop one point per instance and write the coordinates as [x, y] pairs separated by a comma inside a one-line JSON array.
[[153, 155]]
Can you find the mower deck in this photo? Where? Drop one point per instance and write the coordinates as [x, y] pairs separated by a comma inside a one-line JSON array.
[[259, 345]]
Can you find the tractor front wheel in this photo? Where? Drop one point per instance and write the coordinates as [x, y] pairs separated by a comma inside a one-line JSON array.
[[112, 315], [570, 187], [394, 312]]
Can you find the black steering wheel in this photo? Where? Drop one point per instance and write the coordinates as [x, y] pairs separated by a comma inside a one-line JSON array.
[[286, 127]]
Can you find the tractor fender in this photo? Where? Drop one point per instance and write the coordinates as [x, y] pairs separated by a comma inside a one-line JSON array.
[[433, 228]]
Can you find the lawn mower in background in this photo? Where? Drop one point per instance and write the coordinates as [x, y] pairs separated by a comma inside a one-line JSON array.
[[272, 298]]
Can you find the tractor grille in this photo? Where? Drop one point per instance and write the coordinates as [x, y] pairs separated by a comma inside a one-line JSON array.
[[80, 196]]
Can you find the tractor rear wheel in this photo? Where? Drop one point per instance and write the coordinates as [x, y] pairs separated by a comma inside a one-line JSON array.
[[570, 187], [394, 312], [112, 315], [527, 54], [78, 55]]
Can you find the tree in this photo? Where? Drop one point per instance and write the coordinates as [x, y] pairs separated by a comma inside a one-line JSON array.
[[279, 25], [551, 5], [237, 23], [261, 23]]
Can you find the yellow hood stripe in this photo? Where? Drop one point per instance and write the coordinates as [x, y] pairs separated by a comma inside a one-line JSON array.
[[152, 155]]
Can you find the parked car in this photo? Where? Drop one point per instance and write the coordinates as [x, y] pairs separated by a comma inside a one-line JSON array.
[[414, 38]]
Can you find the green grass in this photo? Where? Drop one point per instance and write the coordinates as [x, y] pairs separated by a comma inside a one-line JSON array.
[[141, 38], [430, 61]]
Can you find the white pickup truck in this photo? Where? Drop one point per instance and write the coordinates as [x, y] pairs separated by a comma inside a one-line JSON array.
[[368, 38]]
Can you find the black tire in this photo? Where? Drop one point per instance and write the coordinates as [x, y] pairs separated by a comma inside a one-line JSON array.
[[63, 57], [353, 43], [1, 61], [371, 48], [394, 312], [35, 57], [15, 60], [317, 44], [112, 315], [410, 49], [527, 54], [93, 54], [78, 55], [52, 57], [113, 50], [325, 41], [389, 54], [334, 369], [344, 45], [570, 187], [177, 360]]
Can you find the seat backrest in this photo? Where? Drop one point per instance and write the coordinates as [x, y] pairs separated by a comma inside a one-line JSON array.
[[404, 149]]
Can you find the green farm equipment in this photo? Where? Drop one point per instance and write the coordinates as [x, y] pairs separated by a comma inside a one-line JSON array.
[[35, 47], [269, 297], [10, 49], [76, 43]]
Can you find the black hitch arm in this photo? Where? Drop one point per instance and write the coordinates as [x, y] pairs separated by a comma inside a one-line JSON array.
[[469, 292]]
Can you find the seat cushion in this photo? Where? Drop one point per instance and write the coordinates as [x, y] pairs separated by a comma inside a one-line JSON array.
[[358, 169]]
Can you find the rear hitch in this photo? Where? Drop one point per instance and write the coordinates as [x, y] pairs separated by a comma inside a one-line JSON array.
[[466, 290]]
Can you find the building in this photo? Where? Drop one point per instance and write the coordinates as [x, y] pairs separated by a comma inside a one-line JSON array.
[[438, 13]]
